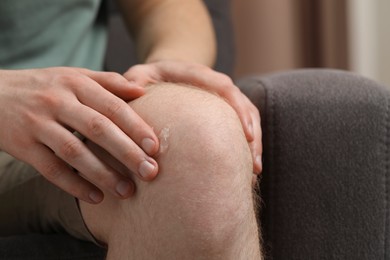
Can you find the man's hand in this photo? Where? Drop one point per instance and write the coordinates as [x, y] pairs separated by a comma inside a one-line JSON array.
[[212, 81], [39, 110]]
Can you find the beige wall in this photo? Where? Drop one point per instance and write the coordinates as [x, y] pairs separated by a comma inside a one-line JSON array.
[[370, 38], [265, 36], [276, 35], [363, 37], [384, 41]]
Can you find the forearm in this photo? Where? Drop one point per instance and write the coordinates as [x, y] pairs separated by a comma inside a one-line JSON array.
[[170, 29]]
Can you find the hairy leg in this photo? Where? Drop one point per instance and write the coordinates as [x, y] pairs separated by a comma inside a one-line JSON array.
[[200, 206]]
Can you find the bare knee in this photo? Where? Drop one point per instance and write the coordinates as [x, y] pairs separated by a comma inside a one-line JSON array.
[[205, 164], [203, 190]]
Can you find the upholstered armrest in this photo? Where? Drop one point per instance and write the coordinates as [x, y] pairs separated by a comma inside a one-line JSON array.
[[325, 186]]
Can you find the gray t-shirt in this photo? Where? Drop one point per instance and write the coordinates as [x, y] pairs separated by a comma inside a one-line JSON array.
[[45, 33]]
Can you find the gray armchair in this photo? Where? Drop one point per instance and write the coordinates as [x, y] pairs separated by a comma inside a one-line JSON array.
[[325, 185]]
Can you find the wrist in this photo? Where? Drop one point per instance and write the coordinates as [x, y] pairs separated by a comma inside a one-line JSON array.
[[172, 55]]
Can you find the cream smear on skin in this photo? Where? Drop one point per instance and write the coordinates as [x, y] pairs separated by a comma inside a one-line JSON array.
[[163, 137]]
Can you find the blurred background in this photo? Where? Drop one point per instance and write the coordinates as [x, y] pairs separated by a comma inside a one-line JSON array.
[[288, 34], [265, 36]]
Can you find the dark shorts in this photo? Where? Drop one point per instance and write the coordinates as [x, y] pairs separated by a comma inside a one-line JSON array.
[[31, 204]]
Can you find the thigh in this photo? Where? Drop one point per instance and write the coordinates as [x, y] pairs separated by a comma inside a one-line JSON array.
[[30, 204]]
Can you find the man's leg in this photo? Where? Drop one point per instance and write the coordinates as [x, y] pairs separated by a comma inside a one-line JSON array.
[[200, 206]]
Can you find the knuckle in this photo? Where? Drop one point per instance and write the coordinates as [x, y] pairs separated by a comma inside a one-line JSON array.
[[116, 108], [254, 110], [137, 67], [225, 80], [51, 171], [115, 78], [84, 71], [72, 81], [65, 79], [97, 126], [101, 177], [133, 70], [77, 191], [95, 171], [71, 149], [227, 86], [47, 99]]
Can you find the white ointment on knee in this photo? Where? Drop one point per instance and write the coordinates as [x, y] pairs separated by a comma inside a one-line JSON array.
[[163, 137]]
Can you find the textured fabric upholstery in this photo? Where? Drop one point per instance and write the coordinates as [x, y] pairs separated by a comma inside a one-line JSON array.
[[327, 164]]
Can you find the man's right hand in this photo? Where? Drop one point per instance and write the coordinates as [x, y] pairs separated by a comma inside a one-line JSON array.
[[39, 110]]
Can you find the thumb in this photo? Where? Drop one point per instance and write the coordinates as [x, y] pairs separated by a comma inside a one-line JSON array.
[[142, 75], [116, 84]]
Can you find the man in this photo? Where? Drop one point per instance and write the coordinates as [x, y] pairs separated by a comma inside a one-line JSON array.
[[199, 206]]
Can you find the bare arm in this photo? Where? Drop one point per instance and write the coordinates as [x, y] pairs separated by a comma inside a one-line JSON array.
[[170, 30]]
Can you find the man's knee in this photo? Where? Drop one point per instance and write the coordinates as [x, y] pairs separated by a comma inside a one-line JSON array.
[[205, 163], [203, 189]]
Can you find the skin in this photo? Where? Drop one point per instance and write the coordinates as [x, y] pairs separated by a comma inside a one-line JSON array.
[[41, 107], [201, 205]]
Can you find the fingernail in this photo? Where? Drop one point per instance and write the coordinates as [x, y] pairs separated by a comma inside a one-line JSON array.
[[259, 162], [251, 132], [148, 145], [146, 169], [96, 196], [123, 188]]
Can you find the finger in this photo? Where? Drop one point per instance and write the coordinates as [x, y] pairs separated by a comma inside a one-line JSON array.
[[256, 144], [116, 84], [61, 175], [110, 137], [122, 115], [243, 108], [142, 75], [108, 159], [69, 148]]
